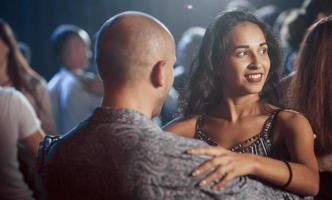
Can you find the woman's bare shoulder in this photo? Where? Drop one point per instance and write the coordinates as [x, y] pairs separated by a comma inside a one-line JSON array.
[[289, 117], [183, 126], [293, 123]]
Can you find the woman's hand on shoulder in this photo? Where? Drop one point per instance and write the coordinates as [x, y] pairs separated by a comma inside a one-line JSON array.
[[224, 166], [182, 126]]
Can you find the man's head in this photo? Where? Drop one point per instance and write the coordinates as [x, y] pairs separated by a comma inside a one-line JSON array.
[[71, 46], [134, 51]]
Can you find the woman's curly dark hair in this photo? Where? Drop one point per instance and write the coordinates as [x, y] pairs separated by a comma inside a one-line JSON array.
[[203, 89]]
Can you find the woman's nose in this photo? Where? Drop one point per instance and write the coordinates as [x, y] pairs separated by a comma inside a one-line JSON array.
[[255, 61]]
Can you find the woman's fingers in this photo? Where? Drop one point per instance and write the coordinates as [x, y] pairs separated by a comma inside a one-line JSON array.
[[216, 175], [223, 166], [211, 164], [220, 176], [228, 176]]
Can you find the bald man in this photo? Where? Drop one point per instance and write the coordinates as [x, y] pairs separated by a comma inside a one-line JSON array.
[[118, 153]]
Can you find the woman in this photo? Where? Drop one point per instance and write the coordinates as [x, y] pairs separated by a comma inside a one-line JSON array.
[[15, 72], [310, 92], [230, 99]]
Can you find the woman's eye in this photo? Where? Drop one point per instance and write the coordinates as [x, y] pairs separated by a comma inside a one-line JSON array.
[[263, 51], [241, 54]]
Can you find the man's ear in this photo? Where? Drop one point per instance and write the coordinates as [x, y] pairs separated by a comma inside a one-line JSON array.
[[158, 74]]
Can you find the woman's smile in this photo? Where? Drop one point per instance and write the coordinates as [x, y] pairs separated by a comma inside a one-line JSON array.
[[254, 77]]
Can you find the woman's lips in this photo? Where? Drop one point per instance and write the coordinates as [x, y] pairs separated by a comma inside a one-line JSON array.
[[254, 77]]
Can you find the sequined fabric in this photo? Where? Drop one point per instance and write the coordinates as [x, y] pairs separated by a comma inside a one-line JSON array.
[[259, 144]]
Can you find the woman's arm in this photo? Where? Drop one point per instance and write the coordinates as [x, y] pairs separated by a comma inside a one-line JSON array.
[[295, 130]]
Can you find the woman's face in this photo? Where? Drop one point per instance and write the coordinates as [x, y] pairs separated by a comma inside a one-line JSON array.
[[247, 63]]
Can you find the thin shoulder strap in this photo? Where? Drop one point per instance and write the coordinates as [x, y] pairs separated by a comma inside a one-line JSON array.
[[200, 132], [270, 125], [199, 124]]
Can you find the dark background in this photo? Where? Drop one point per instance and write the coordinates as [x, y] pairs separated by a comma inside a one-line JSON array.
[[33, 21]]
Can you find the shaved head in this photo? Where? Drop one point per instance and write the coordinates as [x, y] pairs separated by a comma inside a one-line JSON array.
[[129, 45]]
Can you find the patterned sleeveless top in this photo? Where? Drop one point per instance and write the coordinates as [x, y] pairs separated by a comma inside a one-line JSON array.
[[259, 144]]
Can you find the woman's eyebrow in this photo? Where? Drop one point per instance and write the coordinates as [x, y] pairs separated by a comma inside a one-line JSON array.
[[262, 44], [247, 46]]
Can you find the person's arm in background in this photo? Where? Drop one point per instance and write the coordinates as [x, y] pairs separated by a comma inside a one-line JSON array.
[[44, 109], [76, 102], [91, 82], [30, 132], [32, 141]]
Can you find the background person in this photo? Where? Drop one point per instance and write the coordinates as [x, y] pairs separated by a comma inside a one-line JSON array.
[[74, 92], [19, 125], [310, 93]]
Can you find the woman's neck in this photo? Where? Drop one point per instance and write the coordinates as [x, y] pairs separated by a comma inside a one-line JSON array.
[[234, 108]]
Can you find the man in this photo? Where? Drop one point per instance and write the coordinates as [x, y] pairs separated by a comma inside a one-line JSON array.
[[18, 125], [118, 153], [74, 93]]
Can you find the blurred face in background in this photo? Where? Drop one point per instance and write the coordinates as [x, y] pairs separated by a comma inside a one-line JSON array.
[[76, 54]]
